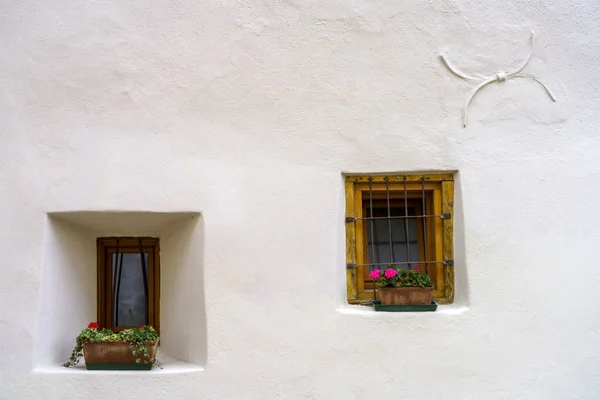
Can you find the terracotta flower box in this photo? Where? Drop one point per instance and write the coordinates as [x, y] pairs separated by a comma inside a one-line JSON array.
[[405, 295], [131, 348], [117, 355], [402, 290]]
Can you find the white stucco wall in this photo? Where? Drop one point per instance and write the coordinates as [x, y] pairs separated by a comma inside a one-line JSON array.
[[242, 117]]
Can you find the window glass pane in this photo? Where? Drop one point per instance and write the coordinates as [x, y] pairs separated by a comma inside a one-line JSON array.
[[379, 244], [130, 301]]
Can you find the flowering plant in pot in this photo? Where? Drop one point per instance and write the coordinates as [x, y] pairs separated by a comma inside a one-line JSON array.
[[133, 348], [403, 286]]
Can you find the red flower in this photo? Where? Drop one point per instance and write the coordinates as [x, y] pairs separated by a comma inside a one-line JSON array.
[[142, 326], [416, 267], [93, 325]]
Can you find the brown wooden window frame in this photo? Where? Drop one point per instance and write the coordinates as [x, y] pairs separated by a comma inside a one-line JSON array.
[[107, 246], [439, 193]]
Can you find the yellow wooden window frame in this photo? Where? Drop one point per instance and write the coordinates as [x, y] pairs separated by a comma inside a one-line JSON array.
[[442, 188]]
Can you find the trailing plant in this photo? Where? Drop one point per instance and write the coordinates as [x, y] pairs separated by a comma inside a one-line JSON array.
[[135, 336], [399, 277]]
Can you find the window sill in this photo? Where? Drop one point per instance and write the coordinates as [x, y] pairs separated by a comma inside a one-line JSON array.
[[368, 311], [170, 366]]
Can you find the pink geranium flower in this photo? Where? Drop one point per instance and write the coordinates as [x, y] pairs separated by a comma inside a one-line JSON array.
[[375, 274], [390, 273]]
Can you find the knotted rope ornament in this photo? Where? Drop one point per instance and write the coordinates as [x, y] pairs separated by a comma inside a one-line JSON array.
[[500, 76]]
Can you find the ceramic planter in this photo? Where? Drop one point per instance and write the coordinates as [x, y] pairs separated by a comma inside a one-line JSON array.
[[116, 355]]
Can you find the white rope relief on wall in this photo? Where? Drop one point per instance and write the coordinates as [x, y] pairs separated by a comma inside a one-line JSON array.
[[500, 76]]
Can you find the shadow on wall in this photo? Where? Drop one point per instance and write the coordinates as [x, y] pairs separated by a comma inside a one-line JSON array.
[[461, 277], [68, 298]]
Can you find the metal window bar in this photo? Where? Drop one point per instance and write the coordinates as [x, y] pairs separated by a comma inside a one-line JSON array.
[[442, 216], [424, 222], [389, 213], [444, 262], [406, 224], [377, 249]]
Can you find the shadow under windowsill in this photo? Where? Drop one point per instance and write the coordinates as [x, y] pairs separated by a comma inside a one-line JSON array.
[[368, 311]]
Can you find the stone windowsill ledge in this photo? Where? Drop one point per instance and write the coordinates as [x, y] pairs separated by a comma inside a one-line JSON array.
[[169, 366]]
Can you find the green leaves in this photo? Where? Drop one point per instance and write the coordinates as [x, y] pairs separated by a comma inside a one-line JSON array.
[[405, 278], [142, 334], [412, 278]]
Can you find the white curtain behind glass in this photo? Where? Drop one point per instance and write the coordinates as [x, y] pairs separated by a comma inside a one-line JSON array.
[[132, 300]]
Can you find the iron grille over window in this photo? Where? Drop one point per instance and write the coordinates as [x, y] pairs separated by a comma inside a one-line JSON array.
[[402, 221]]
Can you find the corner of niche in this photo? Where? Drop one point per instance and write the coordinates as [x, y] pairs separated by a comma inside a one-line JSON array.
[[68, 292]]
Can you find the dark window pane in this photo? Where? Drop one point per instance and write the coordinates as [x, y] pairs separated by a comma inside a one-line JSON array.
[[131, 304], [379, 244]]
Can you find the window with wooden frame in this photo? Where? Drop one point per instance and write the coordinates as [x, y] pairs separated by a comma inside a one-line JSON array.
[[128, 282], [402, 220]]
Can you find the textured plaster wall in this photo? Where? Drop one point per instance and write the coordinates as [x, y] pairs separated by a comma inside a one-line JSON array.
[[248, 113]]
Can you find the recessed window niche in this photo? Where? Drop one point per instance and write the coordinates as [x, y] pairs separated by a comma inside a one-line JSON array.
[[69, 289]]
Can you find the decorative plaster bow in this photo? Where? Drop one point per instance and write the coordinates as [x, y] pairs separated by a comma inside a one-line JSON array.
[[500, 76]]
